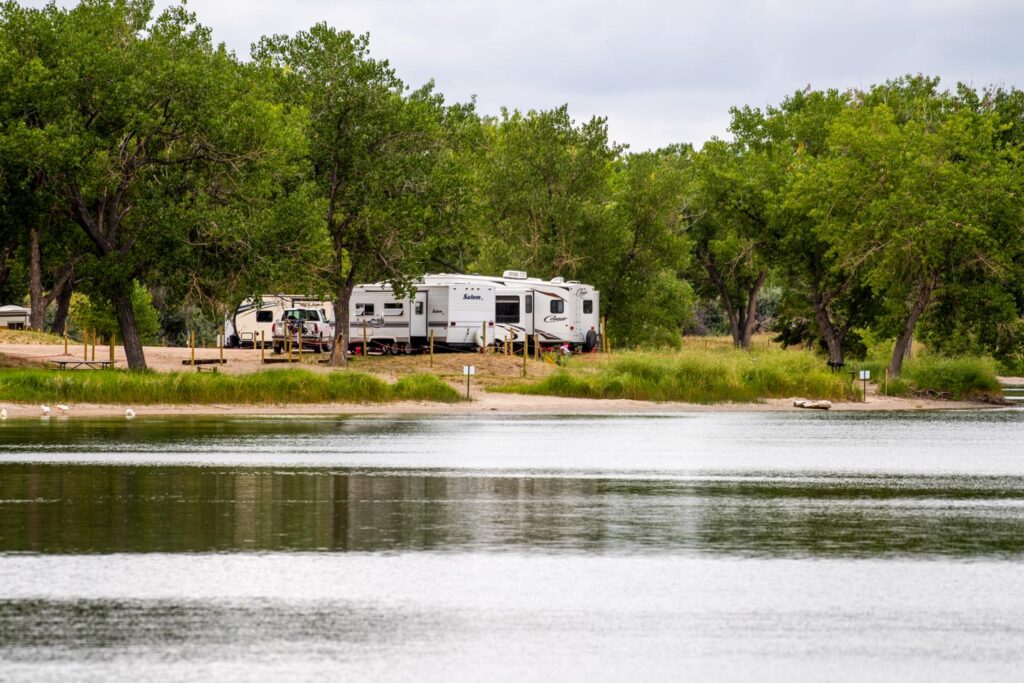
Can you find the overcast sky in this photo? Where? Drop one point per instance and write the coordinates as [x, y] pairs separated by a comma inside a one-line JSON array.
[[660, 71]]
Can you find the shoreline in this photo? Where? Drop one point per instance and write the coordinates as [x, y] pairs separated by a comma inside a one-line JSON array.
[[244, 361], [483, 403]]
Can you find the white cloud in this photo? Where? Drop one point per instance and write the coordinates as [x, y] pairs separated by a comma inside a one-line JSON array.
[[661, 71]]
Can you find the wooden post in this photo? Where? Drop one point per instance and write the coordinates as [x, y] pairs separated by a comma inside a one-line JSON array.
[[364, 338], [192, 344], [604, 346], [94, 336], [288, 343], [113, 341], [526, 346], [85, 344], [220, 344], [483, 338], [65, 340], [263, 339], [431, 348], [301, 325]]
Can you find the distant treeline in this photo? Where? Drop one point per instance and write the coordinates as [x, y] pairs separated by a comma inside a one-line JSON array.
[[134, 151]]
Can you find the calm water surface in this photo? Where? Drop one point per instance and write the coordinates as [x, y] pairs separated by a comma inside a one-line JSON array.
[[706, 546]]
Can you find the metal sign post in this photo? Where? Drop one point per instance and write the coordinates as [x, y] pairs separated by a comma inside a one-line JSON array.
[[865, 375], [468, 370]]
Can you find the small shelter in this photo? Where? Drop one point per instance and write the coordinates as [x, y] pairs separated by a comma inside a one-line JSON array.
[[14, 317]]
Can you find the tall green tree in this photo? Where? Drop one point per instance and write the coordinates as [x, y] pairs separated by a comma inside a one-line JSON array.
[[143, 131], [545, 188], [728, 220], [644, 293], [917, 190], [380, 157]]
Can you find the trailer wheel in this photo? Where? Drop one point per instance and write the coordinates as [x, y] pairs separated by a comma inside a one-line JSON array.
[[325, 346], [278, 348], [233, 341], [591, 342]]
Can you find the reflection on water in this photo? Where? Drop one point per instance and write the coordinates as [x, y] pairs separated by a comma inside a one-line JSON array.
[[718, 545], [107, 508]]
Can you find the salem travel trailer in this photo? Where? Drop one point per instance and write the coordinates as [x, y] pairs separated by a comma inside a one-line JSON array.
[[557, 311], [459, 314], [256, 316], [466, 311]]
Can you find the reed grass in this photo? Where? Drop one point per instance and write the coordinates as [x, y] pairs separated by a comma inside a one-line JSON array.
[[696, 376], [268, 387], [955, 378]]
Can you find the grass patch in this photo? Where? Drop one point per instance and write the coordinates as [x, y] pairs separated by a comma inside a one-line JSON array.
[[939, 377], [8, 336], [697, 376], [272, 386]]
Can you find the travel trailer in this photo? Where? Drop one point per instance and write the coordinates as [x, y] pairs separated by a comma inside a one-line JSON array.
[[469, 311], [458, 314], [254, 318]]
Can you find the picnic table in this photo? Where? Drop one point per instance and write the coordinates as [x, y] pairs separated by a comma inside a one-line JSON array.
[[76, 363]]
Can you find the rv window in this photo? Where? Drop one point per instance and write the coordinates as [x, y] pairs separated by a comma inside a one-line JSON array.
[[588, 306], [393, 309], [529, 303], [557, 306], [506, 309], [364, 309], [419, 308], [264, 316]]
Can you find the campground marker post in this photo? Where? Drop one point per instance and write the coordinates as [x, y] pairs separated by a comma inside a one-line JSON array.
[[113, 341], [431, 348], [468, 370], [526, 345], [262, 340], [94, 336]]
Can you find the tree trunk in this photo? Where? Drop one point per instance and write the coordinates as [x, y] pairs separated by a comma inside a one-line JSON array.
[[342, 326], [35, 285], [750, 321], [828, 331], [723, 295], [5, 267], [129, 330], [63, 299], [903, 342]]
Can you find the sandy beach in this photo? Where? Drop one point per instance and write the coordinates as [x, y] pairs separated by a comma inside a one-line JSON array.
[[492, 369]]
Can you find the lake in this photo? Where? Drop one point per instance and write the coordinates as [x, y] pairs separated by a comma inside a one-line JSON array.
[[719, 545]]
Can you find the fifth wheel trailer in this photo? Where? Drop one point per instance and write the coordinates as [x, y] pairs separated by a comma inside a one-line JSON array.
[[467, 311]]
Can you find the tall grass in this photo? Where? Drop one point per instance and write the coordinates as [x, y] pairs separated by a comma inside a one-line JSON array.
[[694, 376], [955, 378], [272, 386]]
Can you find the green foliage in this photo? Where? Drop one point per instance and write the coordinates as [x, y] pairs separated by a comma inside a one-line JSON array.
[[273, 386], [694, 377], [95, 315]]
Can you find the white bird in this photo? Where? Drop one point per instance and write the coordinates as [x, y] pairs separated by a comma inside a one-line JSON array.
[[46, 410], [129, 413], [3, 413], [63, 408]]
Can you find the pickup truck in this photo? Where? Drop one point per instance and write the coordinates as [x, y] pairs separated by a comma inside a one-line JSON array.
[[306, 326]]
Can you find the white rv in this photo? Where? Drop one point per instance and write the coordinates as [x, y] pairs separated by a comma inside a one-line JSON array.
[[256, 316], [556, 311], [459, 314], [468, 311]]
